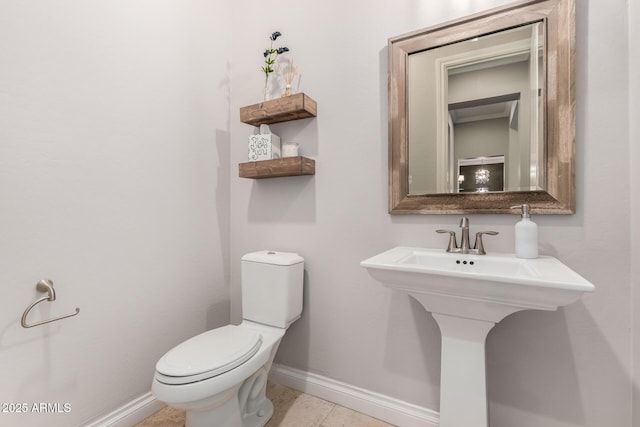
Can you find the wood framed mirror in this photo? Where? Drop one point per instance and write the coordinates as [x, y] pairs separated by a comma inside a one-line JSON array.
[[497, 84]]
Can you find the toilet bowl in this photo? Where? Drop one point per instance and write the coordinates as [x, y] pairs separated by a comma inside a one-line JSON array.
[[219, 377]]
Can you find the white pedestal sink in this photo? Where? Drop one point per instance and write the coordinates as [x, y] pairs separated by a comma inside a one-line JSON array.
[[467, 295]]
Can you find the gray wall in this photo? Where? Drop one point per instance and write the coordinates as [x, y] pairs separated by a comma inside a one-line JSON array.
[[565, 368], [114, 181], [634, 148], [482, 138]]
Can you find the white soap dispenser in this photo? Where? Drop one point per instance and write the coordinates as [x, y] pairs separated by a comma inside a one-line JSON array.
[[526, 234]]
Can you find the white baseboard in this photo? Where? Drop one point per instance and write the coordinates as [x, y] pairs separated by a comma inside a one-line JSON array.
[[130, 413], [376, 405], [385, 408]]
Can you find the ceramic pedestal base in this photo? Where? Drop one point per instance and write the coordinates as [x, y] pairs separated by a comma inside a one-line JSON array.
[[468, 295], [463, 385], [464, 329]]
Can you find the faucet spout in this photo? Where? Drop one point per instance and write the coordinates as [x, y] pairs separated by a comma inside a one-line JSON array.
[[464, 244], [464, 222]]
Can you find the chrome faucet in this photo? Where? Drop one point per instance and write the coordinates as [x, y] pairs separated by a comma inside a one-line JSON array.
[[465, 248]]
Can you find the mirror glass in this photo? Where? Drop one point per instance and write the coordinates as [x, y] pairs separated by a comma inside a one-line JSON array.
[[477, 102], [482, 113]]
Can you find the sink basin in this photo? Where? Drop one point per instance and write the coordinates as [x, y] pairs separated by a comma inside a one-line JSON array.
[[499, 284], [467, 295]]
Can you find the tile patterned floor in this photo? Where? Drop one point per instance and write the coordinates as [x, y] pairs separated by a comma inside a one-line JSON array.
[[292, 409]]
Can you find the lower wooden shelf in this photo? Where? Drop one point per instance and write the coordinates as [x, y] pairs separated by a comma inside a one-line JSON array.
[[286, 166]]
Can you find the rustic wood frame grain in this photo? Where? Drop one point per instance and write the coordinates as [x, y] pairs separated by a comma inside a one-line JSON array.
[[559, 113]]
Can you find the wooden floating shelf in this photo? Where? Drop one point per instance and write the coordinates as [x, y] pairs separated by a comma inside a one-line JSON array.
[[286, 166], [294, 107]]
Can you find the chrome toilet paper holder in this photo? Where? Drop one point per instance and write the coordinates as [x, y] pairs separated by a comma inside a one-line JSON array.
[[44, 285]]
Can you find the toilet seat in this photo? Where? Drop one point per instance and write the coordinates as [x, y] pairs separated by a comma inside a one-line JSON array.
[[207, 355]]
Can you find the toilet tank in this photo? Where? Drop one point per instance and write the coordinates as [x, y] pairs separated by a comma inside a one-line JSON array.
[[272, 287]]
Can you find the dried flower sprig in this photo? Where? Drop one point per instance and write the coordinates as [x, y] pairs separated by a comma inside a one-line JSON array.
[[270, 57], [289, 74]]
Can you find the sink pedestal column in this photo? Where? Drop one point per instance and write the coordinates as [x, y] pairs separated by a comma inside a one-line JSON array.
[[463, 385]]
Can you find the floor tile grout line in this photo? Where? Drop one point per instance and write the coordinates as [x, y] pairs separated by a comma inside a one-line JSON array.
[[333, 406]]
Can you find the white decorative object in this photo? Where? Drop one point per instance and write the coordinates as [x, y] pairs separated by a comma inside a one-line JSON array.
[[264, 146], [220, 377], [289, 73], [290, 149], [271, 60], [467, 295], [526, 234]]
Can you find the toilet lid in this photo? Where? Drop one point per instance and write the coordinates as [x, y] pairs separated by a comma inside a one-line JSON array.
[[208, 354]]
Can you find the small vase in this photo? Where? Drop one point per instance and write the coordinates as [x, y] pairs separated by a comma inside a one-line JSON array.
[[267, 89], [271, 88]]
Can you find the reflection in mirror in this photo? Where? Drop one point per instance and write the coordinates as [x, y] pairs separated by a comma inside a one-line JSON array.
[[481, 174], [477, 98], [482, 112]]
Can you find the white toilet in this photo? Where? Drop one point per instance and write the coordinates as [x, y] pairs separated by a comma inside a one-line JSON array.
[[220, 377]]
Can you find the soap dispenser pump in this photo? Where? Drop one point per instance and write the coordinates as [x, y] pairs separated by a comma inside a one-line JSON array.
[[526, 234]]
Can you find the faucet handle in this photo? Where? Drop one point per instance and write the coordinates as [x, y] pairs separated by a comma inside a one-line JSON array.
[[478, 246], [453, 245], [464, 222]]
